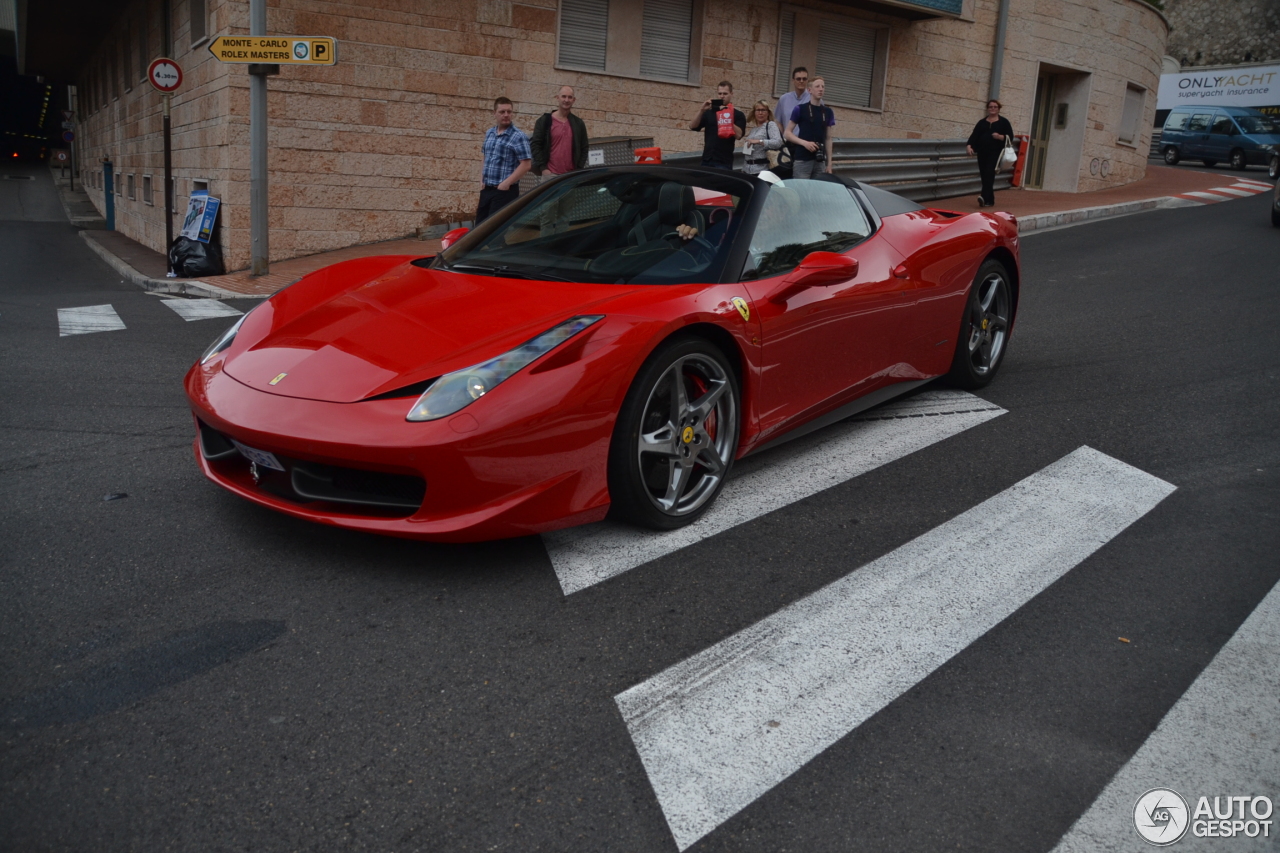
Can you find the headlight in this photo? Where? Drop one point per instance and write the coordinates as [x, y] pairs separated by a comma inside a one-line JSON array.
[[224, 340], [454, 391]]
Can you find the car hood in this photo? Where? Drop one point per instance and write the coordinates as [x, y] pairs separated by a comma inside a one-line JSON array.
[[1263, 138], [402, 327]]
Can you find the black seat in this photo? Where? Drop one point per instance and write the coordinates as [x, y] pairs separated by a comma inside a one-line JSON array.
[[675, 207]]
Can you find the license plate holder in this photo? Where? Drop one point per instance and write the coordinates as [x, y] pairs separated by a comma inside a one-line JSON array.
[[258, 457]]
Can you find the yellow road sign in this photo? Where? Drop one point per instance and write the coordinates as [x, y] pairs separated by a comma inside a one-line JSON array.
[[285, 50]]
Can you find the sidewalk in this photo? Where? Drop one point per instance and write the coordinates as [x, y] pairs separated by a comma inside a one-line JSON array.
[[1162, 187]]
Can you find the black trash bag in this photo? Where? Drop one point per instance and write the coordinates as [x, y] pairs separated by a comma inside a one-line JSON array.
[[190, 258]]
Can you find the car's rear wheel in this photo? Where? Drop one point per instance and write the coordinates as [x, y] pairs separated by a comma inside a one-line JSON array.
[[984, 328], [1171, 156], [1238, 160], [676, 436], [1210, 163]]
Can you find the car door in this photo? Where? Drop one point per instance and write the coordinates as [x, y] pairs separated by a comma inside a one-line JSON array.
[[820, 343], [1197, 139], [1221, 137]]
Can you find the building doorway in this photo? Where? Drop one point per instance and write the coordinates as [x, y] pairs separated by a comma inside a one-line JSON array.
[[1041, 117], [1057, 129]]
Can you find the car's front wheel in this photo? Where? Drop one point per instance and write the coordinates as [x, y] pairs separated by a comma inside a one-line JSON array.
[[984, 328], [1238, 161], [1171, 156], [676, 436]]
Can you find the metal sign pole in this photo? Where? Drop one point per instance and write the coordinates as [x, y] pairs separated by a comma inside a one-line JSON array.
[[168, 185], [260, 252]]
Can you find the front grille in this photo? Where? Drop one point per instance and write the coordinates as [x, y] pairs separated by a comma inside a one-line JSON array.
[[353, 489]]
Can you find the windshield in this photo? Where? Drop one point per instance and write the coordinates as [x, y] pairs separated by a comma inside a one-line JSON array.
[[1258, 124], [647, 226]]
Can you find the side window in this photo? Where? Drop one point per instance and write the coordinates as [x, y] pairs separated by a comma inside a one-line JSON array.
[[1223, 124], [1177, 121], [803, 216], [1200, 122]]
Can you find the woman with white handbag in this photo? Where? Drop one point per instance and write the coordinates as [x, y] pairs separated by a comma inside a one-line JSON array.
[[991, 137]]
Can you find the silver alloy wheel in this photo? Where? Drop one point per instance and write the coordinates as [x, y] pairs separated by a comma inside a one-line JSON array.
[[989, 323], [688, 434]]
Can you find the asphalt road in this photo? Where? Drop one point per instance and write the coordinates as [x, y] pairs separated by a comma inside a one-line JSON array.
[[186, 671]]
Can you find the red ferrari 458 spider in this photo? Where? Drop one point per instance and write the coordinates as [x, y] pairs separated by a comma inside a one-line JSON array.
[[607, 344]]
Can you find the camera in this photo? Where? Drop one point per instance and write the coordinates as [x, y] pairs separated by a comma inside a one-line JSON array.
[[717, 105]]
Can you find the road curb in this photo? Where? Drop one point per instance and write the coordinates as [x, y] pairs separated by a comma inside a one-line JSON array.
[[1043, 221], [176, 286]]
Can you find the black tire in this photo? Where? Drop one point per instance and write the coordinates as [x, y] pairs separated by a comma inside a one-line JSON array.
[[1171, 156], [1238, 161], [1275, 216], [1210, 163], [673, 447], [984, 328]]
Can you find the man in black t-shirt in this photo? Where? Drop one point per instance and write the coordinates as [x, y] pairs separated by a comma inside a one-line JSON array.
[[809, 132], [717, 146]]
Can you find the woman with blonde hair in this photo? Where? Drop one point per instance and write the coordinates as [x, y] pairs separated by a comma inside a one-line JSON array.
[[763, 138]]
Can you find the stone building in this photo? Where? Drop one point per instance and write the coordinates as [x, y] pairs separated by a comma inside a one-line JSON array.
[[387, 141]]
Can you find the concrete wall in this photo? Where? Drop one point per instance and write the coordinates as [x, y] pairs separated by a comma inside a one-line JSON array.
[[388, 140]]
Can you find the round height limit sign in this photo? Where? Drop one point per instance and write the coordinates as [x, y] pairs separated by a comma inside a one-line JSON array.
[[165, 74]]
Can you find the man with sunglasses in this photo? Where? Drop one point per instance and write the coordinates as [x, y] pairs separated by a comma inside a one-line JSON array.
[[789, 101]]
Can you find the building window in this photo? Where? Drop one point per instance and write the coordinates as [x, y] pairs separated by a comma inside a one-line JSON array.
[[133, 189], [850, 54], [126, 54], [147, 197], [143, 59], [600, 35], [199, 22], [112, 70], [1131, 118]]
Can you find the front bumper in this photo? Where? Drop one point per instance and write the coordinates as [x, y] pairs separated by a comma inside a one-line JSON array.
[[502, 467]]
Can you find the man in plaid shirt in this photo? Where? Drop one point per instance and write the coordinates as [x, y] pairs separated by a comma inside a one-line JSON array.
[[506, 158]]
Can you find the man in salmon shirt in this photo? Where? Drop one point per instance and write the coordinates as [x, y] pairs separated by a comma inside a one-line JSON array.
[[559, 139]]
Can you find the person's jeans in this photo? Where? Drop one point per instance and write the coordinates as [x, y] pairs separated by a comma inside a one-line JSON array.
[[492, 200], [987, 169], [807, 168]]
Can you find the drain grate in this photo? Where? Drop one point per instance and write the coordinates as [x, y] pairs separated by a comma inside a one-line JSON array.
[[20, 177]]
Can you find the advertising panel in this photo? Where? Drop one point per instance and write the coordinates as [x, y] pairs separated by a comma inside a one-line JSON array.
[[1254, 86]]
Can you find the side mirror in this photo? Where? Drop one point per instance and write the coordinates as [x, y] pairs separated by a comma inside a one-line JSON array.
[[452, 237], [816, 270]]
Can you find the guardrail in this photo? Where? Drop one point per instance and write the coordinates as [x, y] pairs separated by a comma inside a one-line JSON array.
[[919, 169]]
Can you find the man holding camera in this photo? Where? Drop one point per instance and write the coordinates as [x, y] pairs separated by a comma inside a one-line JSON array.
[[722, 127], [809, 132]]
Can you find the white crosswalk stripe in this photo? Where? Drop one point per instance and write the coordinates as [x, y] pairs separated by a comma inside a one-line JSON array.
[[201, 309], [587, 555], [88, 319], [720, 729], [1219, 739]]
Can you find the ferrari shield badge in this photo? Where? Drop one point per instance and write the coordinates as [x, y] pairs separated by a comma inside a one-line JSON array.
[[276, 381], [743, 308]]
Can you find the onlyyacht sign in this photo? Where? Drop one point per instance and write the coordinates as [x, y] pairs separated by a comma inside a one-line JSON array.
[[1240, 86]]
